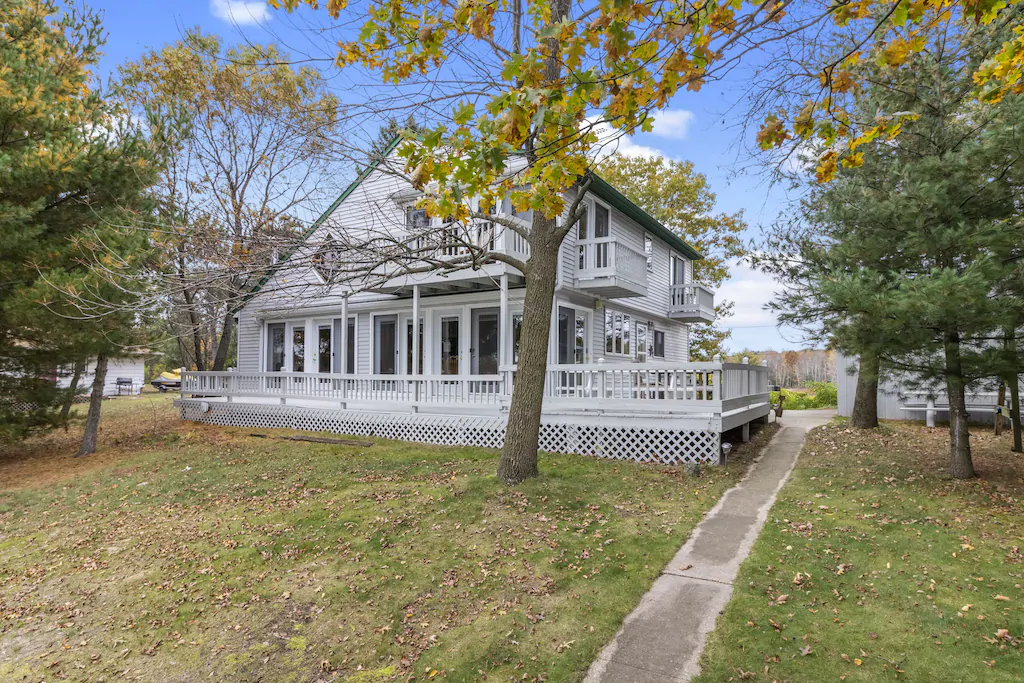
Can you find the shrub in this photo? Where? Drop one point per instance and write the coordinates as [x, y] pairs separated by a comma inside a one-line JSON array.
[[819, 395]]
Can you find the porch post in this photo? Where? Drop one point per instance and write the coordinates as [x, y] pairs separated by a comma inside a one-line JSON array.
[[504, 344], [415, 343], [344, 348], [415, 329]]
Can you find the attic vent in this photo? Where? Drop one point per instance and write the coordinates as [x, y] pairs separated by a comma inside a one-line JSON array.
[[327, 259]]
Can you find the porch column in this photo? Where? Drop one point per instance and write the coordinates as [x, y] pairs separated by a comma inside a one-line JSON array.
[[343, 342], [415, 329], [415, 344], [505, 340], [343, 352]]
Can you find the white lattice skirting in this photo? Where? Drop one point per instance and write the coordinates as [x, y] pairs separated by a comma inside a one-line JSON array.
[[562, 434]]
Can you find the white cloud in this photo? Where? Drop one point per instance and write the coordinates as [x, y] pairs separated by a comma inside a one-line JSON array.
[[751, 290], [239, 11], [610, 141], [672, 123], [753, 326]]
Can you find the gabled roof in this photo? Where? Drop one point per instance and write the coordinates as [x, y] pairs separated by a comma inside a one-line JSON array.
[[598, 186], [363, 175]]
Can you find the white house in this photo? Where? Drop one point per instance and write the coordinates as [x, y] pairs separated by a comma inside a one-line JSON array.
[[432, 356], [126, 375], [898, 399]]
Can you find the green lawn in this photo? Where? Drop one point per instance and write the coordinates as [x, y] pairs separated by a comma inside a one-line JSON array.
[[874, 567], [184, 552]]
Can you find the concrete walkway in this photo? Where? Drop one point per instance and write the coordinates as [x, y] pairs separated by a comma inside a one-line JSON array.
[[662, 639]]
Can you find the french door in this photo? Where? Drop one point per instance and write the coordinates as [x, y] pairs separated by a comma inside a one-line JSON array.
[[386, 332], [571, 342], [449, 346], [484, 353]]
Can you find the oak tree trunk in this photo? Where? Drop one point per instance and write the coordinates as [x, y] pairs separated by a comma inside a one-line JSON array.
[[865, 401], [92, 420], [518, 460], [221, 359], [76, 376], [961, 466]]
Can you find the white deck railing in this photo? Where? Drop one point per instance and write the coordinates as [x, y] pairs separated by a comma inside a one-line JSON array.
[[683, 387], [684, 298]]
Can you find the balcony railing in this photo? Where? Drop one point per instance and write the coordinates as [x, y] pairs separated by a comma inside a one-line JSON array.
[[691, 303], [611, 268]]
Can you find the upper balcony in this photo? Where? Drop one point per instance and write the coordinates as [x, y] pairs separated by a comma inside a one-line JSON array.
[[454, 243], [609, 268], [691, 303]]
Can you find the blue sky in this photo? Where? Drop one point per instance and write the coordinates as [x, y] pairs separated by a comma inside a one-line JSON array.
[[701, 127]]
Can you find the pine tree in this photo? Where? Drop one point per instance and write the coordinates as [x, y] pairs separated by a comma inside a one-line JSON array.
[[902, 255], [72, 173]]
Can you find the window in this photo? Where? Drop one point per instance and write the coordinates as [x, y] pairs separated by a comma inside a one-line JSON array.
[[659, 344], [649, 252], [641, 342], [517, 333], [601, 222], [581, 233], [327, 259], [416, 220], [617, 332], [678, 271], [275, 347], [298, 349]]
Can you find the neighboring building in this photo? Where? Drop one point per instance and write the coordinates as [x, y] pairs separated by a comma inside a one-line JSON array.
[[129, 367], [898, 401], [619, 346]]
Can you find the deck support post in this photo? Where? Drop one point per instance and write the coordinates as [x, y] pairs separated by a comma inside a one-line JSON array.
[[929, 414], [746, 432]]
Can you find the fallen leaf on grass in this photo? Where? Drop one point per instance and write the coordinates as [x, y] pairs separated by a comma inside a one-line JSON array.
[[805, 650], [1002, 597]]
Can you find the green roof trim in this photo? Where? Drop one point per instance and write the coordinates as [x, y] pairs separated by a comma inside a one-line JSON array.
[[598, 186], [602, 189], [370, 168]]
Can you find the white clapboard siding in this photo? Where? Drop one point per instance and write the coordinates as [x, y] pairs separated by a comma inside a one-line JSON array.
[[129, 366]]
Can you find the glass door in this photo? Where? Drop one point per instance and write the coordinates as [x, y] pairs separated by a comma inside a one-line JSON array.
[[485, 342], [408, 347], [450, 345], [386, 360], [323, 348], [571, 349]]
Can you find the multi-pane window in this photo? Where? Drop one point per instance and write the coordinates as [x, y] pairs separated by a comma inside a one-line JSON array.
[[617, 335]]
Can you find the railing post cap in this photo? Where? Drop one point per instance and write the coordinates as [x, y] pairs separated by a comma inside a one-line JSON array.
[[717, 358], [764, 363], [746, 360]]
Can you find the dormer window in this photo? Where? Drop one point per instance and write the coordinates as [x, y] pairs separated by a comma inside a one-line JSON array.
[[327, 259]]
